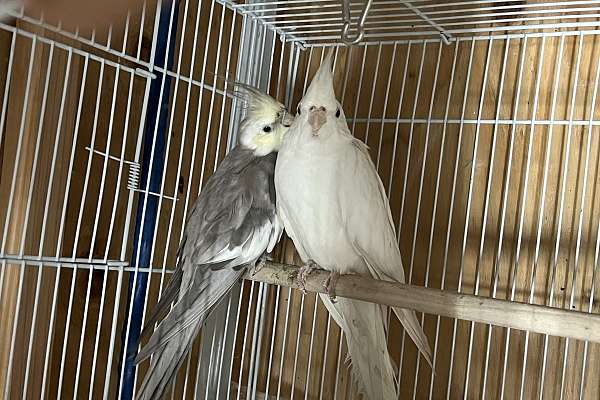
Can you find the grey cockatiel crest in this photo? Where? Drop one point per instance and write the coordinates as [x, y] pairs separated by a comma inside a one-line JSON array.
[[231, 225], [334, 207]]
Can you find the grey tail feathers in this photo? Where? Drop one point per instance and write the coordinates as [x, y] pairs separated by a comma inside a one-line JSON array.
[[162, 307], [166, 362]]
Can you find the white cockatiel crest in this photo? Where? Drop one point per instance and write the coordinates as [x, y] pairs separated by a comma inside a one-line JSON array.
[[334, 207]]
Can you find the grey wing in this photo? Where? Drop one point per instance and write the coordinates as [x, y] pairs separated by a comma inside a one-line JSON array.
[[231, 226]]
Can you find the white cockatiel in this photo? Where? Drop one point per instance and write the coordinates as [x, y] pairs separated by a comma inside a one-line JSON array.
[[334, 207]]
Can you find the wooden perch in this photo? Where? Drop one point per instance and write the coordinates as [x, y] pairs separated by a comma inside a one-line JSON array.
[[510, 314]]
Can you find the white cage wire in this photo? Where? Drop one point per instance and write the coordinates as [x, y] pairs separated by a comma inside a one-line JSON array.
[[481, 117]]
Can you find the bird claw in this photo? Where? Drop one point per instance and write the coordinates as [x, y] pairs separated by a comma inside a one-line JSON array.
[[303, 273], [329, 285], [258, 265]]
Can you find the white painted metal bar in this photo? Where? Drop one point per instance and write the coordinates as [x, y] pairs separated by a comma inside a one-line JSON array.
[[253, 79], [555, 84], [319, 13], [486, 202], [60, 237], [581, 212], [469, 202], [245, 340], [235, 330], [124, 247], [89, 42], [532, 280], [409, 150], [259, 318], [385, 103], [477, 37], [283, 346], [508, 169], [391, 26], [341, 339], [562, 198], [394, 146], [45, 218], [418, 211], [28, 213], [278, 289], [397, 127], [210, 324], [110, 231], [94, 234], [78, 231], [9, 210], [405, 185], [390, 19], [374, 83], [466, 121], [358, 90], [434, 210], [524, 197], [584, 363]]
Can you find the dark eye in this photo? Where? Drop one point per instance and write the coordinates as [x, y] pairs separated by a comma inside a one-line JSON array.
[[338, 113], [298, 109], [267, 129]]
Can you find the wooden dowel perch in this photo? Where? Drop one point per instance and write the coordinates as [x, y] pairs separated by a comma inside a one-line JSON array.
[[510, 314]]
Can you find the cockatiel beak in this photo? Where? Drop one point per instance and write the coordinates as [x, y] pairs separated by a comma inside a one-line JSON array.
[[287, 119], [317, 117]]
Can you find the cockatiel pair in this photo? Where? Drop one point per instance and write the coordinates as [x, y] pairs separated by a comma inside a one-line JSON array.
[[332, 204]]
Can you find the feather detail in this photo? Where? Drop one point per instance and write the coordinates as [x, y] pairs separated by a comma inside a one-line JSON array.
[[371, 365], [334, 207], [230, 226]]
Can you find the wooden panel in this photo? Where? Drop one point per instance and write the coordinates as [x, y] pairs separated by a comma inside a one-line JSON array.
[[520, 146]]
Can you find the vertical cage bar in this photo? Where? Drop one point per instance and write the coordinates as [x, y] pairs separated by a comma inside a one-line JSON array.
[[434, 211], [152, 165], [469, 198], [419, 198]]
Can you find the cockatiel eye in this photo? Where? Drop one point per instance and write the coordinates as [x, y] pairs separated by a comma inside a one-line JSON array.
[[267, 129], [338, 113]]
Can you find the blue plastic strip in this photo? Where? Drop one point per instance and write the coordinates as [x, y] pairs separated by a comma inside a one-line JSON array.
[[147, 220]]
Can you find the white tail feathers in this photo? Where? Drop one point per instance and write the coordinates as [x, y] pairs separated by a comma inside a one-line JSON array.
[[363, 326], [410, 323]]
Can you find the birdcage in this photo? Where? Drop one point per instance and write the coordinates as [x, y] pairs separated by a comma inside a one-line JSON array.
[[480, 116]]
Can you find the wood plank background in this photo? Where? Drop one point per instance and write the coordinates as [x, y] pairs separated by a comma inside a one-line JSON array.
[[305, 360]]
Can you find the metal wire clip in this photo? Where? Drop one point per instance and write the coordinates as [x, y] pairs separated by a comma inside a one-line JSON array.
[[360, 27]]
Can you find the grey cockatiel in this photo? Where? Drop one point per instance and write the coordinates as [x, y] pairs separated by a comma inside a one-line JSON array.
[[231, 225], [334, 207]]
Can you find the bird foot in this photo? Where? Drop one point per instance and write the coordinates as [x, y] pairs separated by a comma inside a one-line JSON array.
[[258, 265], [303, 273], [329, 285]]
